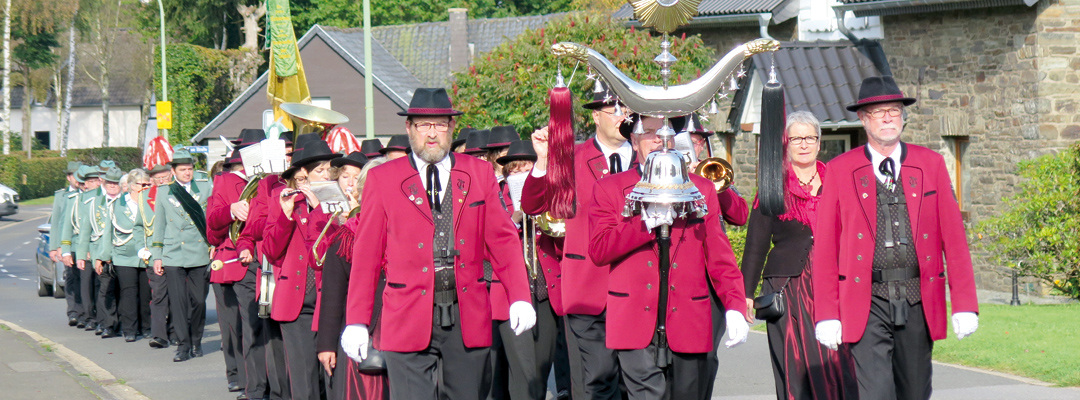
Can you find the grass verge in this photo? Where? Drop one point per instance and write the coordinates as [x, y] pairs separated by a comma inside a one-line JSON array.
[[1036, 341], [37, 202]]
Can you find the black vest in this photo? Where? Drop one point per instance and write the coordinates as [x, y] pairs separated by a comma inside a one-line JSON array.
[[894, 247], [444, 255]]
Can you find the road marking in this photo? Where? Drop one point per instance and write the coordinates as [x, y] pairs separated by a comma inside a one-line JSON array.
[[26, 242], [3, 270], [23, 259], [25, 221], [11, 275], [24, 279], [8, 254]]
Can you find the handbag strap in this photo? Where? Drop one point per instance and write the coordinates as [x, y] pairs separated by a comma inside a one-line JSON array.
[[784, 286]]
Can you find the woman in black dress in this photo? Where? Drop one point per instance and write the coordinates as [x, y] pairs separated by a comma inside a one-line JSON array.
[[802, 368]]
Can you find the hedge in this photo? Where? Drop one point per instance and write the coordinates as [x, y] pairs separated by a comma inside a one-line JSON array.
[[44, 172]]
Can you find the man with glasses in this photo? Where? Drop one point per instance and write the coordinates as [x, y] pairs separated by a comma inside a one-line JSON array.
[[594, 368], [888, 224], [429, 221]]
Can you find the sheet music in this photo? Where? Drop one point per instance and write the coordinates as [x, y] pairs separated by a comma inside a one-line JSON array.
[[683, 143], [330, 196], [273, 156], [252, 157], [516, 185]]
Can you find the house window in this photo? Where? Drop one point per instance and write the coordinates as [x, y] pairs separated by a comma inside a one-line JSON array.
[[43, 138], [833, 145], [323, 102]]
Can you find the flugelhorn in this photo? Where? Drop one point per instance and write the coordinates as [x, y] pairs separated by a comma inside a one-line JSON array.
[[554, 227], [717, 170], [249, 192], [307, 118]]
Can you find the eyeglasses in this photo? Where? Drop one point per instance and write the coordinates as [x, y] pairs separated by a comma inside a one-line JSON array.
[[424, 127], [795, 141], [612, 114], [880, 113], [145, 184]]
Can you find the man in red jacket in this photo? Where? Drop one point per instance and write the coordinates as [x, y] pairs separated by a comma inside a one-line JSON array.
[[594, 369], [888, 223], [429, 220], [700, 256]]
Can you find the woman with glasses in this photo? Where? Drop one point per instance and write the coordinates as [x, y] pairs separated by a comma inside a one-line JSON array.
[[124, 246], [802, 368], [292, 226]]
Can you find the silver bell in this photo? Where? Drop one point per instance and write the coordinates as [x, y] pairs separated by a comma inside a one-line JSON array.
[[666, 181]]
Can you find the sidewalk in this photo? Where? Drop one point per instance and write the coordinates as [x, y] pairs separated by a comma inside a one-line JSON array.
[[29, 370]]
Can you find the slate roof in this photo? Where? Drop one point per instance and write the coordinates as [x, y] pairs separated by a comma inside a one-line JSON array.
[[424, 49], [820, 77], [709, 8], [863, 8], [391, 78]]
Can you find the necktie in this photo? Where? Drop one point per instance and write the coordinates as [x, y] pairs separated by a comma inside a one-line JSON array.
[[614, 163], [433, 187], [888, 169]]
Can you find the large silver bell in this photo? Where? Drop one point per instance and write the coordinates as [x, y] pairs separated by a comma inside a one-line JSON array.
[[666, 181]]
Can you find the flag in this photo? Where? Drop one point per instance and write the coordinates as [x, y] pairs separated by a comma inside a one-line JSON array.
[[286, 81], [158, 152], [341, 140]]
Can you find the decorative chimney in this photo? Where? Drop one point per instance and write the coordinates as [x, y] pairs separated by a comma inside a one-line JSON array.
[[459, 39]]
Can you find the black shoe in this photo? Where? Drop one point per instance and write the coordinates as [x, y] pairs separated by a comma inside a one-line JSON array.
[[129, 338], [73, 321], [174, 342], [158, 343], [235, 387], [99, 330], [196, 351], [242, 396], [109, 333], [90, 326], [80, 325], [182, 356]]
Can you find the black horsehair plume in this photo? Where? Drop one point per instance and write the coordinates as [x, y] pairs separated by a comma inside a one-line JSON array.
[[771, 177]]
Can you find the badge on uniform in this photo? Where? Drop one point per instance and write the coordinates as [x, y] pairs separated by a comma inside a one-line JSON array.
[[864, 181], [912, 181], [175, 203]]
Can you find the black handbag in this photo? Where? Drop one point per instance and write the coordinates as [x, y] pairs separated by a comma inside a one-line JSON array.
[[770, 307]]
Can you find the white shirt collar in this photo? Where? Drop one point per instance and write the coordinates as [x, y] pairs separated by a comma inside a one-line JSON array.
[[444, 171], [876, 159], [625, 152]]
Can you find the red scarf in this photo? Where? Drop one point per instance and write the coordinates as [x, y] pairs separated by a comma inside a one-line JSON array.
[[801, 205]]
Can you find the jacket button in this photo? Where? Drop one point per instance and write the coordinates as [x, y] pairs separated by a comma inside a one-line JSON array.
[[674, 309], [858, 236], [420, 245], [931, 279], [297, 273], [925, 236], [464, 289], [646, 308], [462, 241], [423, 292], [298, 288], [927, 258], [675, 265], [462, 265], [648, 286], [672, 288], [424, 269], [301, 257], [856, 279], [648, 263], [858, 257]]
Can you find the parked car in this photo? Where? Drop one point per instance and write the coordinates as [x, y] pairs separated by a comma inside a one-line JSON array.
[[9, 201], [50, 274]]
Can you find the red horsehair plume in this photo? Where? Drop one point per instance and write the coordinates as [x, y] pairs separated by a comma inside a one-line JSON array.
[[561, 153]]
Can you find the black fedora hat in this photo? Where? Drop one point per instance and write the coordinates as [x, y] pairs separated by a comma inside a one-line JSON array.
[[234, 158], [462, 136], [602, 98], [879, 89], [519, 150], [396, 142], [249, 136], [430, 102], [476, 142], [627, 127], [371, 148], [311, 152], [679, 125], [305, 140], [501, 136], [356, 159]]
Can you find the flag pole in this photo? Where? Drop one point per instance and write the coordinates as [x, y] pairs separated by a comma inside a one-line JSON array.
[[369, 95]]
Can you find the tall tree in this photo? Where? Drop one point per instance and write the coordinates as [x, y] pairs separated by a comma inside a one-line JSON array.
[[69, 86], [33, 53], [103, 19]]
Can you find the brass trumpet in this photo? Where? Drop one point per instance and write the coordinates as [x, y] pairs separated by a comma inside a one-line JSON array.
[[554, 227], [717, 170]]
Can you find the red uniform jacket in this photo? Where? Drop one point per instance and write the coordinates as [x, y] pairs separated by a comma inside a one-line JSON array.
[[548, 252], [700, 255], [287, 245], [257, 210], [733, 207], [846, 230], [396, 226], [227, 189], [584, 282]]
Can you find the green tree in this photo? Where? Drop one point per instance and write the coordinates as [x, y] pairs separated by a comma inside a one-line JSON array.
[[509, 85], [198, 87], [349, 13], [1041, 226]]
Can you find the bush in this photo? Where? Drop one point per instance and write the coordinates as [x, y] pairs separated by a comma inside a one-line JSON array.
[[1042, 223], [44, 172]]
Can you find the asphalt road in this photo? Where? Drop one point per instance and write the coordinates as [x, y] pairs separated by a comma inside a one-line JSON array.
[[745, 372]]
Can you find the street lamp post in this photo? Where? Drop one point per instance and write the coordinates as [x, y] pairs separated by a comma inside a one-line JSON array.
[[164, 79]]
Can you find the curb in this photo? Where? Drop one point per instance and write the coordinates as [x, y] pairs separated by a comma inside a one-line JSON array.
[[97, 374], [1021, 379]]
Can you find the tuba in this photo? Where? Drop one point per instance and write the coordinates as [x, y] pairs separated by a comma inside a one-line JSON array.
[[307, 118], [717, 170]]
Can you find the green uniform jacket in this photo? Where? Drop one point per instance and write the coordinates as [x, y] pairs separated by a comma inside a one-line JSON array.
[[175, 240], [56, 219], [124, 232], [76, 234]]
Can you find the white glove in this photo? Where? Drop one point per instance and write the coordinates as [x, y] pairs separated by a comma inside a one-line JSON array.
[[829, 333], [144, 254], [737, 328], [354, 340], [658, 214], [522, 317], [964, 324]]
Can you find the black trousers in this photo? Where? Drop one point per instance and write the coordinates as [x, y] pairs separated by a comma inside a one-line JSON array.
[[465, 371], [562, 361], [159, 306], [893, 362], [683, 379], [228, 315], [73, 294], [301, 359], [719, 324], [134, 305], [187, 302], [598, 365], [276, 371], [252, 335], [108, 286], [530, 355], [88, 291]]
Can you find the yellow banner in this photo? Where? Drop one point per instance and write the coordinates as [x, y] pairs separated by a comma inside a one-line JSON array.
[[164, 115]]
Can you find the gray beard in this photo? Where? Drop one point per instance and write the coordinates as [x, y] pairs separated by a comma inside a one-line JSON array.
[[431, 155]]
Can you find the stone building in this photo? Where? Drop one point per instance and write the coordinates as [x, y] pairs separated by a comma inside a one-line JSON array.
[[996, 82]]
